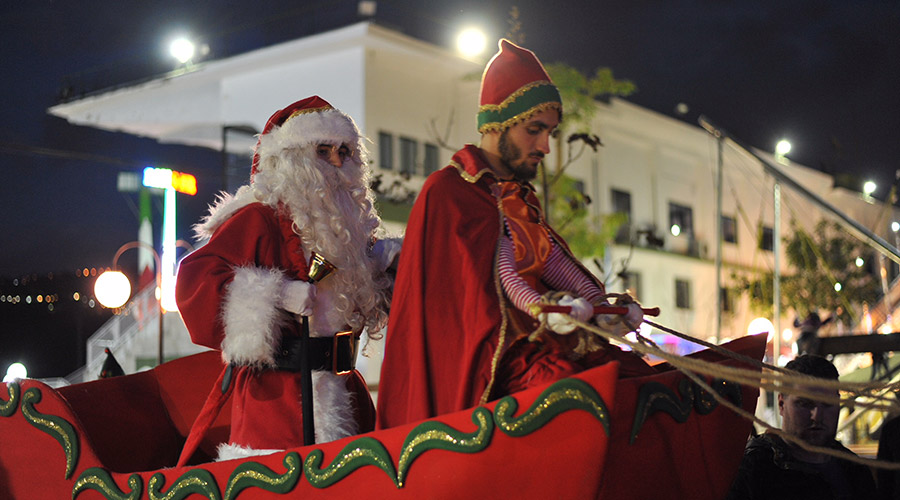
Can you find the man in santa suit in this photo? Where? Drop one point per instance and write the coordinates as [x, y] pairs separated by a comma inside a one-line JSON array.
[[478, 255], [244, 291]]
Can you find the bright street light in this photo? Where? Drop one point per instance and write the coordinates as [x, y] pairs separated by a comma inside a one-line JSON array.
[[869, 187], [108, 285], [895, 226], [15, 372], [761, 325], [112, 289], [783, 147], [471, 42], [787, 334], [182, 49]]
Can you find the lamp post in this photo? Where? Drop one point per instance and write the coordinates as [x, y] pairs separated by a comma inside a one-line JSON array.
[[113, 292]]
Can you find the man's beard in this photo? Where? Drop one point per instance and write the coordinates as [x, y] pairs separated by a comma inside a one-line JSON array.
[[511, 156]]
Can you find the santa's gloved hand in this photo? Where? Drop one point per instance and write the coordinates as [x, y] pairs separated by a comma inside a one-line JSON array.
[[297, 297], [562, 323], [620, 324], [386, 251]]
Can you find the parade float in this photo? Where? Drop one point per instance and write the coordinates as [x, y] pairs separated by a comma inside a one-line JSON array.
[[589, 436]]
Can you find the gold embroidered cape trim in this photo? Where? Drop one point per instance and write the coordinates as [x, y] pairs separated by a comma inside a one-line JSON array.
[[472, 179]]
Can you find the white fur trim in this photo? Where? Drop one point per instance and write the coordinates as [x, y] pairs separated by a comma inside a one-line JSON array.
[[251, 318], [222, 209], [332, 407], [322, 127], [234, 451]]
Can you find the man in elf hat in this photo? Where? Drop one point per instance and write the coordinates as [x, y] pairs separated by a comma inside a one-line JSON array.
[[243, 291], [477, 253]]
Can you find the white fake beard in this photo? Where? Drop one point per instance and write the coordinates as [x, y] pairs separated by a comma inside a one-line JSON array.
[[332, 210]]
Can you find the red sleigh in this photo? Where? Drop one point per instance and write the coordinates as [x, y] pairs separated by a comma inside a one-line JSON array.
[[590, 436]]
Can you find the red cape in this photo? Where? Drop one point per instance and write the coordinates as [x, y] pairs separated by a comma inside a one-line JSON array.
[[444, 332]]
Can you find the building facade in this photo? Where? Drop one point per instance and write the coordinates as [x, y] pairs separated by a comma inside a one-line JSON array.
[[417, 103]]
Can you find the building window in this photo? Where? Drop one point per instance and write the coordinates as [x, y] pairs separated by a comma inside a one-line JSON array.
[[682, 294], [766, 238], [631, 283], [431, 158], [729, 229], [727, 298], [681, 219], [408, 149], [621, 204], [385, 151]]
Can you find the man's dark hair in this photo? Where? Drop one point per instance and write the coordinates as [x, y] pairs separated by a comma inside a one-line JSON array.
[[816, 366]]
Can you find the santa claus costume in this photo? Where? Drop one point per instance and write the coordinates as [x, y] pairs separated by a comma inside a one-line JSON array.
[[240, 292]]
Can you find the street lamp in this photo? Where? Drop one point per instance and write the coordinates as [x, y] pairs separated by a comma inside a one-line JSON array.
[[471, 42], [112, 288], [761, 325], [869, 187], [15, 372], [782, 148], [182, 49]]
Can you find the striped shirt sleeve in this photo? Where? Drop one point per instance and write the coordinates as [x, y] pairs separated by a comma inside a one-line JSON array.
[[563, 274]]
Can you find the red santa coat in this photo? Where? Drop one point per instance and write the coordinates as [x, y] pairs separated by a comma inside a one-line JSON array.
[[227, 293]]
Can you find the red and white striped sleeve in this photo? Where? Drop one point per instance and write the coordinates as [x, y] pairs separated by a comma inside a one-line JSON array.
[[563, 274], [517, 289]]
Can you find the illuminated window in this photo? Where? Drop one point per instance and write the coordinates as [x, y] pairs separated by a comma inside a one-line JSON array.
[[682, 216]]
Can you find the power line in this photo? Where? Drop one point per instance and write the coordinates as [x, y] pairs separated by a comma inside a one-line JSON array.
[[63, 154]]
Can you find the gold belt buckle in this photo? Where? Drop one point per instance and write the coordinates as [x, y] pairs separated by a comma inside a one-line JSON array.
[[334, 350]]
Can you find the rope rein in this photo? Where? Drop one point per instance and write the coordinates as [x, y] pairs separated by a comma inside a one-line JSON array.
[[777, 379]]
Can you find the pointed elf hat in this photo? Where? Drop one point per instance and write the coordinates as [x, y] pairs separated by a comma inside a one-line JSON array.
[[514, 87], [309, 121]]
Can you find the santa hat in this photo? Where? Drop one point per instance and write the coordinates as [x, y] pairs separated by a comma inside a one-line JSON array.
[[308, 121], [514, 87]]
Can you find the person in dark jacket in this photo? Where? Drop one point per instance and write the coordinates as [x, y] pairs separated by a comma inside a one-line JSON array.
[[889, 449], [774, 469]]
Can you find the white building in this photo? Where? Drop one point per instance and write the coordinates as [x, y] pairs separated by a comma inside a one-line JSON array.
[[410, 97]]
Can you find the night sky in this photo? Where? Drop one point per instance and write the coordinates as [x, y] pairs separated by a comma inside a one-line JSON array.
[[821, 73]]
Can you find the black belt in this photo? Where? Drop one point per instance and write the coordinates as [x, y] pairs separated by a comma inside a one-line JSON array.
[[335, 354]]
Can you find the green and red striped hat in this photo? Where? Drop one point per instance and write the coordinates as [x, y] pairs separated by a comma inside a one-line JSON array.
[[514, 87]]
